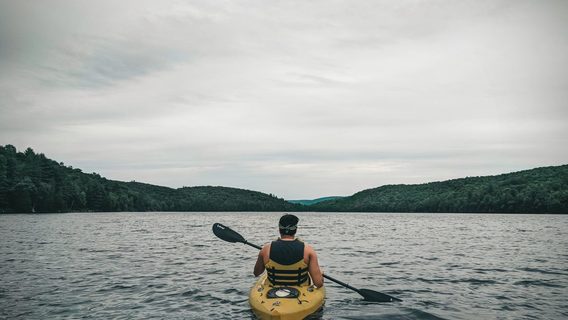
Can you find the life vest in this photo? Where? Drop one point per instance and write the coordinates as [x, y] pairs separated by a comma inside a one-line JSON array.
[[286, 266]]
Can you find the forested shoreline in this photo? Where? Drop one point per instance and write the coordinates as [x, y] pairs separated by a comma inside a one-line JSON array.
[[30, 182], [540, 190]]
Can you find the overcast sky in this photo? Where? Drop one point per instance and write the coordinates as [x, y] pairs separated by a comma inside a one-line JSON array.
[[301, 99]]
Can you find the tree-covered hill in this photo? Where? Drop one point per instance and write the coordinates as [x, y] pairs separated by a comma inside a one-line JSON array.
[[314, 201], [541, 190], [30, 182]]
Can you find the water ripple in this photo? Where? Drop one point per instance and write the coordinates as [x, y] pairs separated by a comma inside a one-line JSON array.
[[170, 265], [538, 283], [543, 271]]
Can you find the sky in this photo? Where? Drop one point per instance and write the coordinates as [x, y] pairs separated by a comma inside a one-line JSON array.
[[301, 99]]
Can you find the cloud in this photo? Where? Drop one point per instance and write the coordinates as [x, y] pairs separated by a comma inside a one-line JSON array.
[[300, 99]]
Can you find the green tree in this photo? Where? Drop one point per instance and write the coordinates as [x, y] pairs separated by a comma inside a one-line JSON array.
[[21, 196]]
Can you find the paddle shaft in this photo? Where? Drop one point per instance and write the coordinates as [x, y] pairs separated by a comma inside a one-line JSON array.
[[230, 235], [341, 283], [252, 245]]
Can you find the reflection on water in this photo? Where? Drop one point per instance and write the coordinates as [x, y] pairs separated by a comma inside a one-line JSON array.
[[170, 265]]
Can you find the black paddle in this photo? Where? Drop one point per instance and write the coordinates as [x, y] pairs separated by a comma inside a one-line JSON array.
[[228, 234]]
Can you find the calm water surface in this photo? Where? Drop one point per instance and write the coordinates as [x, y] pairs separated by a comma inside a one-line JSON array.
[[170, 265]]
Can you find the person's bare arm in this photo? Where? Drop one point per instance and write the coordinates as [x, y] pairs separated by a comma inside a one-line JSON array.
[[314, 268], [259, 266]]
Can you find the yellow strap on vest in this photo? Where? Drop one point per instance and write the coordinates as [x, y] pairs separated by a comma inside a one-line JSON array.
[[293, 274]]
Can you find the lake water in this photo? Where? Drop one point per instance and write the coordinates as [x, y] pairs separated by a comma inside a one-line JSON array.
[[170, 265]]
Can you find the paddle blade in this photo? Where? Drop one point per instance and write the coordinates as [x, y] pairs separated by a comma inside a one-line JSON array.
[[227, 233], [374, 296]]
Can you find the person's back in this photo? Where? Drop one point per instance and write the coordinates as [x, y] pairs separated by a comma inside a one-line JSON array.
[[288, 261]]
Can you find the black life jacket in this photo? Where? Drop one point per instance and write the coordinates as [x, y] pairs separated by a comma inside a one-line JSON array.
[[286, 264]]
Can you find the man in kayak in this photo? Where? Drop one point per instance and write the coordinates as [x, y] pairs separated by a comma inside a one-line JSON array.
[[289, 260]]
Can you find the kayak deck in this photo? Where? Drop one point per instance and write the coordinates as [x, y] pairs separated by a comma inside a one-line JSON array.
[[267, 302]]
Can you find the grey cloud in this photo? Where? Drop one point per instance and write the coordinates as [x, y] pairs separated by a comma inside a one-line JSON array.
[[109, 62], [301, 99]]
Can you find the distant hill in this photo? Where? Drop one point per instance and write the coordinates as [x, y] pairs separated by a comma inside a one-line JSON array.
[[314, 201], [541, 190], [30, 182]]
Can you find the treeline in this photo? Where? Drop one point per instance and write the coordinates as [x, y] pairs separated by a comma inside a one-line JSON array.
[[541, 190], [30, 182]]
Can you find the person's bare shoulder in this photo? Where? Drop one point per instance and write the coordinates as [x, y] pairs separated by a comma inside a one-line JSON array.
[[309, 250], [265, 251], [309, 247]]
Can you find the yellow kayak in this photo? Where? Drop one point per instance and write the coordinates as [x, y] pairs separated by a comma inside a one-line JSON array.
[[284, 302]]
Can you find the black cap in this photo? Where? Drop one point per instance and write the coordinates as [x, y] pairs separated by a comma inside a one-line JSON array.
[[288, 224]]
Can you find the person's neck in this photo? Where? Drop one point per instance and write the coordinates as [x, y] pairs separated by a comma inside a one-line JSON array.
[[287, 237]]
